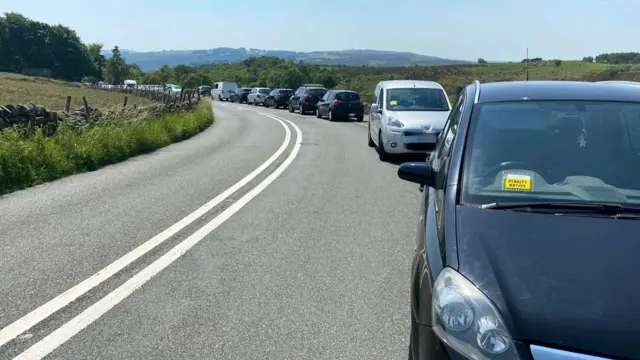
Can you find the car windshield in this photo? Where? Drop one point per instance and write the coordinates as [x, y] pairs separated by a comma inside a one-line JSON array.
[[317, 92], [553, 151], [285, 92], [417, 99], [264, 91], [347, 96]]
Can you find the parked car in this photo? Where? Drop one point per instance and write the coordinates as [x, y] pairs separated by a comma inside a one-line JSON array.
[[240, 95], [340, 105], [204, 90], [406, 117], [223, 90], [527, 244], [306, 97], [278, 98], [172, 88], [257, 96]]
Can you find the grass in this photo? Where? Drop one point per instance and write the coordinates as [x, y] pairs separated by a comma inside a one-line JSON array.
[[37, 159], [52, 94]]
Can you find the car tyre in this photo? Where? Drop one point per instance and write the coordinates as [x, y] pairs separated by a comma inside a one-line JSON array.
[[300, 109], [331, 117], [383, 155], [318, 115], [371, 143], [360, 118], [290, 108]]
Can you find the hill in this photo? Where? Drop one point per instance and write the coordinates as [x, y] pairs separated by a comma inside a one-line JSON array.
[[149, 61]]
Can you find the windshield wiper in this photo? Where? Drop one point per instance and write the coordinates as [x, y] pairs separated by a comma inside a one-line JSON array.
[[597, 207]]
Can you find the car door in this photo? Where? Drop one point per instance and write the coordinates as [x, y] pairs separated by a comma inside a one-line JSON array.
[[295, 100], [324, 102], [376, 118], [252, 95], [269, 100]]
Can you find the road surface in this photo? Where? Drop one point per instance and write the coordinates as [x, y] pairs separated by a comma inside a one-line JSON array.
[[261, 238]]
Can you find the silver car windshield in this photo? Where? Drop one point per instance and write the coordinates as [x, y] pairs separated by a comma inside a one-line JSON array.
[[553, 151], [417, 99]]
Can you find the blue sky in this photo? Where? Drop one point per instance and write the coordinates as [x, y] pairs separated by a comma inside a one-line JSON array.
[[457, 29]]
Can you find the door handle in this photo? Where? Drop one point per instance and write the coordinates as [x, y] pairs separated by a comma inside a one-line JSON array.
[[421, 188]]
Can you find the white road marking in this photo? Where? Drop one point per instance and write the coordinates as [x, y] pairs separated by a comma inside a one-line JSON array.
[[26, 322], [94, 312]]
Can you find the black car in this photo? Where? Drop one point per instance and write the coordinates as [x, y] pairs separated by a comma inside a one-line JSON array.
[[204, 90], [240, 96], [278, 98], [528, 245], [306, 98], [340, 105]]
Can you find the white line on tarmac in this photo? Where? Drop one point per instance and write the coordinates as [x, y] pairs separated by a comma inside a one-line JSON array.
[[94, 312], [26, 322]]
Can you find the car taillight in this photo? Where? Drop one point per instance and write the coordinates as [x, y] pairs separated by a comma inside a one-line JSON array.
[[308, 96], [257, 95], [336, 103]]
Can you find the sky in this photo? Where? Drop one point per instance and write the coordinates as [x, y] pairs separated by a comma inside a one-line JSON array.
[[496, 30]]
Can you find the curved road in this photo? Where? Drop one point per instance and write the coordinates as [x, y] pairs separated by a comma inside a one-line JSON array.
[[308, 256]]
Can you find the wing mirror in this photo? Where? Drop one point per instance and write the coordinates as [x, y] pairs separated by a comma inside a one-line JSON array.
[[375, 109], [417, 172]]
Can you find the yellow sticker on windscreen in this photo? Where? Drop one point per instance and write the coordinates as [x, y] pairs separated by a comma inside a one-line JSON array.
[[520, 181], [393, 102]]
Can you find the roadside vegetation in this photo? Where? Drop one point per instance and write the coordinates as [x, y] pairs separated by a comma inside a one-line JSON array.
[[27, 160]]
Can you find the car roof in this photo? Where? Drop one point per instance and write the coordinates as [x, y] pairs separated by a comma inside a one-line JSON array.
[[340, 90], [556, 90], [395, 84]]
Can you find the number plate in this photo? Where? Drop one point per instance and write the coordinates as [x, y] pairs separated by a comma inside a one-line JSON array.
[[352, 114]]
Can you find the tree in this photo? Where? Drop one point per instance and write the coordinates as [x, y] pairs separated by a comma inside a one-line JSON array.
[[482, 61], [94, 51], [116, 68], [587, 59]]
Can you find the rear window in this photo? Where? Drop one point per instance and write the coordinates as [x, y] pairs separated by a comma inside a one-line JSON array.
[[264, 91], [285, 92], [246, 90], [347, 96], [316, 92]]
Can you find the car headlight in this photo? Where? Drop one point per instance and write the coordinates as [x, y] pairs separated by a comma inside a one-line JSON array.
[[393, 122], [465, 319]]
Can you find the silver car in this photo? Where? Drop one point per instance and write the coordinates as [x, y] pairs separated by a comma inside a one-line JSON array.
[[406, 117], [258, 95]]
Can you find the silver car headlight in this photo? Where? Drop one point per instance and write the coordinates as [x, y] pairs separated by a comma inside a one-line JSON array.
[[465, 319], [393, 122]]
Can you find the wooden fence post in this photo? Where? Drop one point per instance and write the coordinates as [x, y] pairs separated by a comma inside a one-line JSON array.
[[125, 101], [67, 107], [198, 94], [86, 106]]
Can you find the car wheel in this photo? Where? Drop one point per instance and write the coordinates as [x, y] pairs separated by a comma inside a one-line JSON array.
[[318, 114], [331, 117], [300, 109], [219, 98], [290, 108], [383, 155], [360, 118], [371, 143]]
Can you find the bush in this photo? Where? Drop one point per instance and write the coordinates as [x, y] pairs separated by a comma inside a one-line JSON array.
[[28, 161]]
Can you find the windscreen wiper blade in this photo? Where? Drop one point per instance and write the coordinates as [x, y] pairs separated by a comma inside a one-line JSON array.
[[598, 207]]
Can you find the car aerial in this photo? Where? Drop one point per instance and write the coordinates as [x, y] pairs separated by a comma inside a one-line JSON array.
[[204, 89], [257, 95], [223, 90], [278, 98], [340, 105], [306, 97], [527, 244], [406, 117], [240, 95]]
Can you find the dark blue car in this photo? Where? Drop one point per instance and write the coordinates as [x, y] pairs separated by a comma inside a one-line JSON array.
[[528, 245]]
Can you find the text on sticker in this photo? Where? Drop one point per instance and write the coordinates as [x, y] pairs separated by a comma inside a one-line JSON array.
[[517, 182]]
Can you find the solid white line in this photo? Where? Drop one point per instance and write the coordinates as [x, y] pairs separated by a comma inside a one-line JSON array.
[[26, 322], [94, 312]]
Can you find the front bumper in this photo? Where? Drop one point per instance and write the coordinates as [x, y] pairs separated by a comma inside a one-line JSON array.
[[409, 141]]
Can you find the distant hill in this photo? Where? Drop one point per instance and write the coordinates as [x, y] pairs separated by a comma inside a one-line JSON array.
[[149, 61]]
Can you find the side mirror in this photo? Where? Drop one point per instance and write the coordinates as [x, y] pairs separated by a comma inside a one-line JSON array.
[[417, 172], [375, 109]]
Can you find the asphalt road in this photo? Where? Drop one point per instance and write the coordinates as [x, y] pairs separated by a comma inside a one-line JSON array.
[[309, 258]]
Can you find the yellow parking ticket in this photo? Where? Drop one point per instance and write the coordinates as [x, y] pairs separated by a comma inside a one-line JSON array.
[[393, 102], [517, 181]]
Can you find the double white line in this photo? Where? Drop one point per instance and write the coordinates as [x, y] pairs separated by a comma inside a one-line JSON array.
[[61, 335]]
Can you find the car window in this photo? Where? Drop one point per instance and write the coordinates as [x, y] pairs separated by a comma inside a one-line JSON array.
[[246, 90], [317, 92], [326, 96], [264, 91], [347, 96], [416, 99], [569, 150]]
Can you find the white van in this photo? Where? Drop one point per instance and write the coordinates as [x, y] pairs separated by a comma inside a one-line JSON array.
[[223, 90], [406, 117]]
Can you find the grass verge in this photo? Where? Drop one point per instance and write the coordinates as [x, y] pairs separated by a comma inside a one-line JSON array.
[[37, 159]]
